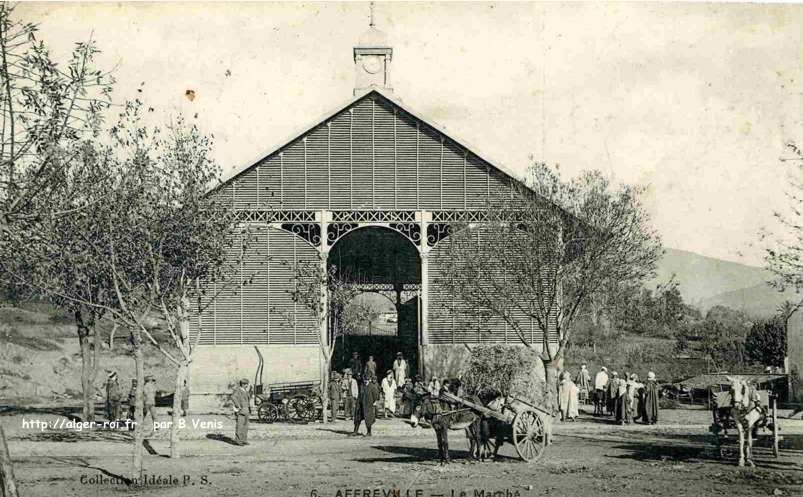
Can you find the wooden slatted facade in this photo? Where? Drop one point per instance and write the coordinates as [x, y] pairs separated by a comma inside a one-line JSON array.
[[371, 163]]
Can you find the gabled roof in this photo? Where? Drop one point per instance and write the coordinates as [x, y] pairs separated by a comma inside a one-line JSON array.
[[300, 132]]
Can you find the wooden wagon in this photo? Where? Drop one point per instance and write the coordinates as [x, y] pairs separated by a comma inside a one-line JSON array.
[[521, 420], [297, 401]]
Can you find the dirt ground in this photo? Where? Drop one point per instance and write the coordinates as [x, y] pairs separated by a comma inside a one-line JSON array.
[[589, 458]]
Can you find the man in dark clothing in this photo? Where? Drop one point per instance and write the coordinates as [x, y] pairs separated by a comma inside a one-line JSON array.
[[132, 399], [185, 399], [408, 397], [356, 366], [242, 411], [365, 409], [651, 394], [113, 398]]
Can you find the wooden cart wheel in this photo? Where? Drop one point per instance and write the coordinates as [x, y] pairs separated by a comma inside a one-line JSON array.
[[268, 413], [310, 407], [529, 436], [295, 408]]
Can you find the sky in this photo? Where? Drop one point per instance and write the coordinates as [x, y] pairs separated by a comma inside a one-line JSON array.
[[695, 102]]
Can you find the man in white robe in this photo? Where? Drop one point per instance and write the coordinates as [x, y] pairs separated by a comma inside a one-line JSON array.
[[400, 369], [389, 390]]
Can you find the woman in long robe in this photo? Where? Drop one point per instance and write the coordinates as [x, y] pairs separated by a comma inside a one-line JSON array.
[[568, 398], [365, 410], [651, 394]]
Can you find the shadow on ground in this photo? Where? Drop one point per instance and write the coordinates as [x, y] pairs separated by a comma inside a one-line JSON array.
[[221, 438]]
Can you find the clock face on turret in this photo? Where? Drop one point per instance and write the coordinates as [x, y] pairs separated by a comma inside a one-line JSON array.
[[372, 64]]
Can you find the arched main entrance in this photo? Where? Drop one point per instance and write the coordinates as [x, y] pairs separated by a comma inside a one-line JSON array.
[[382, 261]]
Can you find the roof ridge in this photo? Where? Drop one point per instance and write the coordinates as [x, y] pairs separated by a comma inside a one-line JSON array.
[[298, 132]]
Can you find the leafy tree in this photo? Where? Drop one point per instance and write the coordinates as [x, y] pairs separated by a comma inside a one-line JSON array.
[[546, 253], [766, 342], [46, 109], [785, 257], [720, 337]]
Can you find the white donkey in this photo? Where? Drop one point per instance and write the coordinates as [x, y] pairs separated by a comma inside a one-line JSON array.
[[740, 406]]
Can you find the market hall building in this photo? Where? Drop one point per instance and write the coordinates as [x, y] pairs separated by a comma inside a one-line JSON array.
[[372, 189]]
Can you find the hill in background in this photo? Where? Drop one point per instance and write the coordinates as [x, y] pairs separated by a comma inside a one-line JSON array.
[[705, 282]]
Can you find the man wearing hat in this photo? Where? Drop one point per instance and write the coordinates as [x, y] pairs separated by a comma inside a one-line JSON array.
[[149, 393], [365, 409], [355, 365], [334, 394], [242, 411], [400, 369], [113, 397]]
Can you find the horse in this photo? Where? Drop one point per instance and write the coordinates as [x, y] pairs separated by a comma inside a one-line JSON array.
[[740, 406]]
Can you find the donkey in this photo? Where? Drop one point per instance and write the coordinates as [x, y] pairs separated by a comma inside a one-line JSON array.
[[741, 406], [443, 416]]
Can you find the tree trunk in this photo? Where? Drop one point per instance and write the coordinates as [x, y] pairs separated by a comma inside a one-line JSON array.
[[552, 369], [8, 488], [87, 373], [96, 346], [327, 357], [181, 375], [139, 433], [183, 334]]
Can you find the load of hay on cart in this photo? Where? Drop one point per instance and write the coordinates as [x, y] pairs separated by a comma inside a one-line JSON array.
[[522, 424], [510, 382]]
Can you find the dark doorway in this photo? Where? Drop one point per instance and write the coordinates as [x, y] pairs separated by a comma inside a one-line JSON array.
[[385, 263]]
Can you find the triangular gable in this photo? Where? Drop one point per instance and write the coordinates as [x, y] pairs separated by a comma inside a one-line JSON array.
[[450, 179]]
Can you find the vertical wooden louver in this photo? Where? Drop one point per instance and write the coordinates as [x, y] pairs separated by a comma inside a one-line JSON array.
[[256, 306], [372, 155]]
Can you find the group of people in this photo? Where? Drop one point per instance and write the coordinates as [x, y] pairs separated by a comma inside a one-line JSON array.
[[625, 397], [114, 398], [358, 390]]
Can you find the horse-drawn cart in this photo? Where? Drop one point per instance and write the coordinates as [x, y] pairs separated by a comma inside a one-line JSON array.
[[292, 401], [519, 422], [739, 405], [766, 417]]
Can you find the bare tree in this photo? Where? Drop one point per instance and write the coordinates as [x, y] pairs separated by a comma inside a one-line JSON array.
[[329, 298], [545, 253]]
